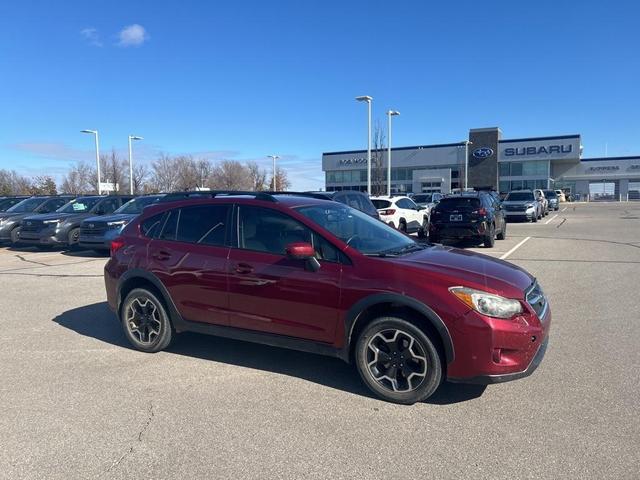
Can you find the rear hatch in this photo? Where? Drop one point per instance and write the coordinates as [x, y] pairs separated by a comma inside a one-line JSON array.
[[458, 210]]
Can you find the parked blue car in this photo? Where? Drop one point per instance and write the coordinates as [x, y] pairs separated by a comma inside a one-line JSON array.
[[96, 233]]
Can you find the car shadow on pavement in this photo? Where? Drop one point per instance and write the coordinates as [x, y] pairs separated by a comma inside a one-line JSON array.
[[97, 321], [86, 253]]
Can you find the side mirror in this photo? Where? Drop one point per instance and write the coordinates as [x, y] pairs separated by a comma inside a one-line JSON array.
[[303, 251]]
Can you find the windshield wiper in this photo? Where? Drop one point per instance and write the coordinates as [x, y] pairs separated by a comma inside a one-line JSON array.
[[411, 247]]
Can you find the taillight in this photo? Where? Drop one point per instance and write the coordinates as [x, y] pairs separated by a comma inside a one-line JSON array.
[[389, 211], [116, 244], [481, 211]]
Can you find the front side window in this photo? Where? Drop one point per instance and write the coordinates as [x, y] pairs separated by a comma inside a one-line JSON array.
[[360, 231], [108, 206], [269, 231]]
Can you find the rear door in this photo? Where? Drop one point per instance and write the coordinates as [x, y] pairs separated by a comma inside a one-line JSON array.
[[190, 256], [271, 293]]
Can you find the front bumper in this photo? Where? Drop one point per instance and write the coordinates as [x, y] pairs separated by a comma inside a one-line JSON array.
[[528, 214], [497, 350], [48, 236]]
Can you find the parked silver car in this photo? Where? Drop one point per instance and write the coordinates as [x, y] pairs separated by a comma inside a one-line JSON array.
[[552, 198], [522, 204]]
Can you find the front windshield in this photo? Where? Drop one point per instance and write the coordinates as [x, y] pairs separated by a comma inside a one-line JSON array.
[[79, 205], [136, 205], [550, 194], [25, 206], [519, 197], [360, 231]]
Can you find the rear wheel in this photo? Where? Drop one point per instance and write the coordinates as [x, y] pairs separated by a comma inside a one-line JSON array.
[[403, 226], [503, 234], [145, 321], [424, 229], [490, 237], [398, 361]]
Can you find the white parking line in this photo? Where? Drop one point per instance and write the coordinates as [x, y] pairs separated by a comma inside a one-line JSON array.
[[564, 209], [514, 248], [551, 220]]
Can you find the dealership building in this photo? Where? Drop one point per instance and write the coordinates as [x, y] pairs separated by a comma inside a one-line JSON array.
[[505, 164]]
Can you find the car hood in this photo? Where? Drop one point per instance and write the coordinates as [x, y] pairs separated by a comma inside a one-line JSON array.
[[4, 215], [471, 269], [111, 218], [54, 216]]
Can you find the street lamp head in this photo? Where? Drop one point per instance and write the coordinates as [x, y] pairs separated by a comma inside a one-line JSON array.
[[89, 131], [364, 98], [135, 137], [275, 157], [393, 112]]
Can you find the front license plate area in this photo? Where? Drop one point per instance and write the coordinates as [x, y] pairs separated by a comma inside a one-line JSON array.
[[455, 218]]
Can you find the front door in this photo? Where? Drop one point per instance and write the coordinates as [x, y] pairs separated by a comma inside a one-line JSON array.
[[271, 293]]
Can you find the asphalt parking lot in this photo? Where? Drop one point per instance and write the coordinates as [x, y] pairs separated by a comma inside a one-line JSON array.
[[77, 402]]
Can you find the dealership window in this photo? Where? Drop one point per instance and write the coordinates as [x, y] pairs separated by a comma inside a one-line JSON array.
[[331, 177], [516, 169], [504, 169], [504, 186]]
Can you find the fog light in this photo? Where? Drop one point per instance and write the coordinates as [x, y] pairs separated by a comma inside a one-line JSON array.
[[497, 355]]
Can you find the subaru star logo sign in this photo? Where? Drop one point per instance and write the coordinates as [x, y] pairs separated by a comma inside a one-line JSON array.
[[91, 225], [483, 152]]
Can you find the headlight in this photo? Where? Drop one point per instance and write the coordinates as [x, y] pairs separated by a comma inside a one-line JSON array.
[[118, 223], [529, 205], [487, 303], [50, 221]]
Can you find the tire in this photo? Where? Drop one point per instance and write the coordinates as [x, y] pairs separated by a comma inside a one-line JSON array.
[[503, 234], [396, 335], [534, 219], [490, 237], [424, 230], [148, 330], [403, 226], [73, 238], [15, 235]]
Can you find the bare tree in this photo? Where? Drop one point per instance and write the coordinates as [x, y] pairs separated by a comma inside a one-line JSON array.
[[282, 180], [80, 179], [378, 170], [113, 171], [258, 176], [12, 183], [230, 175], [204, 170], [164, 176], [140, 175], [43, 185], [188, 173]]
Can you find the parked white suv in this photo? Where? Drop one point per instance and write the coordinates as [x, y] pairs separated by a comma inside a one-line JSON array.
[[402, 213]]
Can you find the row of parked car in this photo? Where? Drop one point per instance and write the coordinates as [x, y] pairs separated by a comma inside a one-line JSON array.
[[89, 221]]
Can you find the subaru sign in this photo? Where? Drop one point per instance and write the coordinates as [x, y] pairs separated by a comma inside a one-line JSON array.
[[483, 152], [538, 150]]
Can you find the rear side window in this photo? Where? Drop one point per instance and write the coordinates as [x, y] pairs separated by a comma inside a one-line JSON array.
[[151, 226], [170, 226], [206, 224], [381, 203]]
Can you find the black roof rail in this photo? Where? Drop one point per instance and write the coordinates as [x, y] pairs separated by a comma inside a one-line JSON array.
[[199, 194]]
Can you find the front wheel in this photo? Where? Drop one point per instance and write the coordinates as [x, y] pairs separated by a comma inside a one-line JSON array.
[[145, 321], [15, 235], [398, 361], [74, 238]]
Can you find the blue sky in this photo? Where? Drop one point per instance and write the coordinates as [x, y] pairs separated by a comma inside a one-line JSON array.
[[245, 79]]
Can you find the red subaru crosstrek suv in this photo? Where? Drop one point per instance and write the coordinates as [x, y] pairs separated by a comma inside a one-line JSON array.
[[319, 276]]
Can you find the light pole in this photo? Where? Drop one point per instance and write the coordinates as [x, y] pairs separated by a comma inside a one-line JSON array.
[[131, 137], [390, 113], [95, 132], [466, 162], [368, 99], [274, 158]]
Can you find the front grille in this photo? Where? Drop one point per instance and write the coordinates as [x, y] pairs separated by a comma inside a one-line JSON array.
[[32, 226], [93, 229], [515, 208], [537, 300]]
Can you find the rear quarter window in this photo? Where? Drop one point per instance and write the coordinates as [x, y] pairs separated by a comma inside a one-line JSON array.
[[151, 226], [381, 203]]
